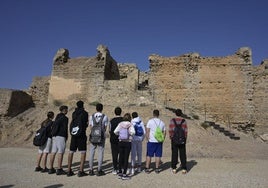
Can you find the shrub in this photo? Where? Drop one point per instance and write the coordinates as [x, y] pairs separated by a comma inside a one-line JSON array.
[[204, 125], [94, 103], [196, 117], [57, 102]]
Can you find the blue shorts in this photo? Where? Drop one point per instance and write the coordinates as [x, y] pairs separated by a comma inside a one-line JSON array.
[[154, 149]]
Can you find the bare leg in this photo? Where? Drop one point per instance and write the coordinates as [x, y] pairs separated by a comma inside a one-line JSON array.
[[52, 158], [148, 162], [60, 158], [39, 158], [82, 161], [70, 161], [45, 160], [157, 161]]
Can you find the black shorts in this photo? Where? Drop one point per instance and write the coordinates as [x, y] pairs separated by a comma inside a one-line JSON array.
[[79, 143]]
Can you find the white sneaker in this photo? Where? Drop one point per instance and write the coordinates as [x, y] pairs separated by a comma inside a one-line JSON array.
[[114, 172], [139, 169], [132, 171]]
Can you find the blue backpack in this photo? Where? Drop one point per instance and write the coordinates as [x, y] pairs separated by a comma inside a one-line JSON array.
[[138, 129]]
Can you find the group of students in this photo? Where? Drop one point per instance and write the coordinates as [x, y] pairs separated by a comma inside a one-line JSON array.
[[127, 133]]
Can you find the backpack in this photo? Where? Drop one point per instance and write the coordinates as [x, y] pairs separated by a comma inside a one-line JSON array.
[[75, 127], [138, 129], [40, 137], [179, 133], [123, 134], [96, 135], [158, 135]]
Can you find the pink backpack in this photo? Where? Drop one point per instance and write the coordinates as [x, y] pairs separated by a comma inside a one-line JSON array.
[[123, 134]]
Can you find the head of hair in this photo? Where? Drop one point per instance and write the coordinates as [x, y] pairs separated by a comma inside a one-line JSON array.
[[134, 114], [178, 112], [80, 104], [127, 117], [63, 107], [50, 115], [99, 107], [156, 113], [118, 111]]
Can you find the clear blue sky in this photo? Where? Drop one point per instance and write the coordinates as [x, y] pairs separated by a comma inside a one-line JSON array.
[[33, 30]]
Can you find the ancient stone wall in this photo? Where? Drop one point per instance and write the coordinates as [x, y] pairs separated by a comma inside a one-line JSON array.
[[14, 102], [39, 90], [218, 88], [82, 78], [260, 96]]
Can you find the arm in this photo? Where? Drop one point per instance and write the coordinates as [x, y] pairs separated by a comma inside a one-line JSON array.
[[131, 130], [117, 129], [147, 133]]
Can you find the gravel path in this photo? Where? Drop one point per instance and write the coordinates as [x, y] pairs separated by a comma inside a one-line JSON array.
[[17, 170]]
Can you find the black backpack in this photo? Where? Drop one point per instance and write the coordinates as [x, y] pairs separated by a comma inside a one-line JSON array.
[[40, 137], [97, 134], [179, 133], [75, 126]]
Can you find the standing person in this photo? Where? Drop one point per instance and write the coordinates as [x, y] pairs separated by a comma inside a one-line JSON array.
[[178, 141], [124, 129], [60, 136], [102, 119], [44, 150], [154, 147], [78, 128], [136, 143], [114, 138]]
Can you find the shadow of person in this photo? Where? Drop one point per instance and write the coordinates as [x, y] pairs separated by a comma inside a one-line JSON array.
[[6, 186], [191, 164], [54, 186]]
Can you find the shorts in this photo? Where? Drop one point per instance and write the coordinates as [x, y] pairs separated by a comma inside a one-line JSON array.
[[58, 144], [46, 148], [79, 143], [154, 149]]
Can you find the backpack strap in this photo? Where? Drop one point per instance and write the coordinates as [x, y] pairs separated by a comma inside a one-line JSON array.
[[182, 121]]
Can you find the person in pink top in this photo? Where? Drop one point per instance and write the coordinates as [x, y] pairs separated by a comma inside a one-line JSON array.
[[125, 130]]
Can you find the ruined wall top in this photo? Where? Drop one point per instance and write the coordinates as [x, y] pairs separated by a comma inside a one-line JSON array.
[[61, 56], [102, 52]]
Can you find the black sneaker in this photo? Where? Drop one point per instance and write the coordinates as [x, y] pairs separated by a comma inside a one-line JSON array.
[[100, 173], [91, 172], [81, 174], [60, 172], [125, 177], [157, 170], [146, 170], [51, 171], [120, 175], [44, 170], [70, 173], [38, 169]]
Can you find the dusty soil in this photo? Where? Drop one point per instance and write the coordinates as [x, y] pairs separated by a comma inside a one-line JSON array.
[[214, 160]]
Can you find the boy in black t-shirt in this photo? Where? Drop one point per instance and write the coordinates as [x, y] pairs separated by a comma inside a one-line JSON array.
[[114, 138]]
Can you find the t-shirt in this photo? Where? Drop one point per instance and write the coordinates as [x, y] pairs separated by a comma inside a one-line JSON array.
[[152, 124]]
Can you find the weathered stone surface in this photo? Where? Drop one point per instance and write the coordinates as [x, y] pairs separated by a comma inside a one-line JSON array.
[[14, 102], [61, 56], [221, 88], [39, 90]]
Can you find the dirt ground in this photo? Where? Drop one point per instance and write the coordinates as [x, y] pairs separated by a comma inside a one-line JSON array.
[[214, 160], [17, 170]]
